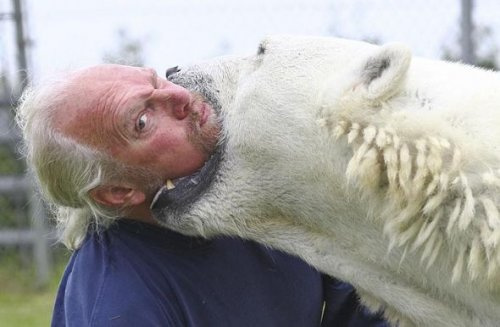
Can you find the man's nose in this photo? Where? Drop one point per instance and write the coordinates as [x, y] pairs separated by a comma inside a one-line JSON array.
[[178, 100]]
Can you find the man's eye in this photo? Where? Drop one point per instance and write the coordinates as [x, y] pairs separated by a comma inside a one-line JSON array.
[[141, 122]]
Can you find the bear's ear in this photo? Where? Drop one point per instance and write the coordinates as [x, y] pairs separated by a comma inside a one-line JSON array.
[[381, 75]]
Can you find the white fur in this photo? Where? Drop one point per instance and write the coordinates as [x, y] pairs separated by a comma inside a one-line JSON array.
[[376, 168]]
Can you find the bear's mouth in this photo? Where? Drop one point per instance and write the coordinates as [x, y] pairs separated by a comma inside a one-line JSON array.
[[178, 195]]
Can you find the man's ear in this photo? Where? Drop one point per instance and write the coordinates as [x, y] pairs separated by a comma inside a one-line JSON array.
[[117, 196], [381, 75]]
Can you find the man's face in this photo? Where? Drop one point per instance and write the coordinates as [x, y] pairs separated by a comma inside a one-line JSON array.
[[141, 119]]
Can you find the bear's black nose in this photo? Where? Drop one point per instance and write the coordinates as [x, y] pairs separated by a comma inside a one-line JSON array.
[[172, 70]]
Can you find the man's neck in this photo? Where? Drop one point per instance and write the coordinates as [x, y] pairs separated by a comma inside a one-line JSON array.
[[141, 213]]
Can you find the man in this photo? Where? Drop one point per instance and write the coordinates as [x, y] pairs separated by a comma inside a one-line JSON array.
[[101, 142]]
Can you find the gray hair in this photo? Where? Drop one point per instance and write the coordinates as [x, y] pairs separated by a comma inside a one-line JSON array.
[[66, 170]]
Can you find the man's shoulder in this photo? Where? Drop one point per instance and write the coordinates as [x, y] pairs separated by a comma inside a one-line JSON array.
[[114, 258], [115, 280], [148, 273]]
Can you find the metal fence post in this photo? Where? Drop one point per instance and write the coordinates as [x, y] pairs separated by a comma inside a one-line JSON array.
[[40, 240], [467, 31]]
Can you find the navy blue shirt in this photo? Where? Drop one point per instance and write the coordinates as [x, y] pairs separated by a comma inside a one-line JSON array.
[[136, 274]]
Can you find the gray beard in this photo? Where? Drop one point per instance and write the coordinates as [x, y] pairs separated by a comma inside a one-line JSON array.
[[199, 83]]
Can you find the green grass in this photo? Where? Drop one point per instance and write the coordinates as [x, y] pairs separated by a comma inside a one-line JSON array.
[[22, 304], [30, 309]]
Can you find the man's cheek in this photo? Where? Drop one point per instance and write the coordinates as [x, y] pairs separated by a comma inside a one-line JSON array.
[[168, 141]]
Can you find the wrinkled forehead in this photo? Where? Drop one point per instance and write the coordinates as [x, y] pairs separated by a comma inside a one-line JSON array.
[[92, 78], [89, 91], [108, 71], [88, 85]]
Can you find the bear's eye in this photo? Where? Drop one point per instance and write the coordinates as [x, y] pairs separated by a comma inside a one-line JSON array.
[[262, 49]]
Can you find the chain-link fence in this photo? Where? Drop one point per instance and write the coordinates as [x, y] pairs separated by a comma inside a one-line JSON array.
[[69, 34], [64, 34]]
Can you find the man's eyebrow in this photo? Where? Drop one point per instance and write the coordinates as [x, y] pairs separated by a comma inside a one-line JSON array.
[[126, 120], [128, 115], [154, 76]]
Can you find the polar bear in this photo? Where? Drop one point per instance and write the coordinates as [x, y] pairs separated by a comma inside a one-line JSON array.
[[375, 168]]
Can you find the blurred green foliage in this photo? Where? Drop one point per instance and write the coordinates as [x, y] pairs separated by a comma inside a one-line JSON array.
[[9, 164], [26, 309], [12, 209], [21, 303], [11, 215]]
